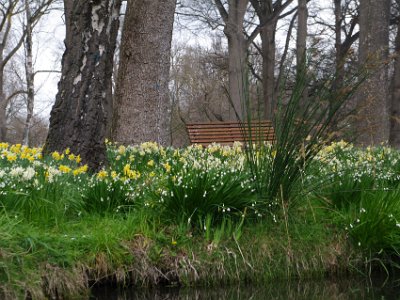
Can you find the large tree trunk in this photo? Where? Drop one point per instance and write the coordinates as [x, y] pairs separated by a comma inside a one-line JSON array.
[[79, 117], [372, 108], [394, 137], [142, 105]]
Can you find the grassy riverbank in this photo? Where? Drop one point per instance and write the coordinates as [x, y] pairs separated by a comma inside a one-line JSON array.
[[70, 257], [191, 217]]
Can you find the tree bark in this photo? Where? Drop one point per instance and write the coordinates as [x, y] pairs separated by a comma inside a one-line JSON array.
[[394, 136], [372, 108], [237, 48], [301, 48], [269, 14], [142, 104], [301, 41], [268, 46], [79, 116], [3, 102], [29, 74]]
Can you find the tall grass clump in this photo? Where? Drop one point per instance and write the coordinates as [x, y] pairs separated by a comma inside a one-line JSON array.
[[373, 226], [302, 122]]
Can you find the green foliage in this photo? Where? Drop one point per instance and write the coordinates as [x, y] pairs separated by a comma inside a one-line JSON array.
[[201, 183], [302, 122], [362, 187], [374, 223], [193, 209]]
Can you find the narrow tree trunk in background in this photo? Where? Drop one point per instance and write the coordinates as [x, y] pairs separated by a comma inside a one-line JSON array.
[[301, 41], [301, 45], [237, 49], [3, 103], [268, 14], [268, 47], [29, 74], [394, 137], [372, 108], [78, 119], [339, 55], [339, 59], [142, 105]]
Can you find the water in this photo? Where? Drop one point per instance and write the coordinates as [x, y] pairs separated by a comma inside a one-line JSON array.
[[324, 289]]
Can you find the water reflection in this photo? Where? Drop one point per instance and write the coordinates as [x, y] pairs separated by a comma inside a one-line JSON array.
[[327, 289]]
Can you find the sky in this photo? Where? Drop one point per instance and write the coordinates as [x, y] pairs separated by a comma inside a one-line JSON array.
[[48, 48]]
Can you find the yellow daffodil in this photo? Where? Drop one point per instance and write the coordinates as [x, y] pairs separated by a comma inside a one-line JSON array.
[[121, 149], [102, 174], [56, 155], [64, 169], [16, 148], [126, 169], [11, 157], [167, 167], [80, 170]]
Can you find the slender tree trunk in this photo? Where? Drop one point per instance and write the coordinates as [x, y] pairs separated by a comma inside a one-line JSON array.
[[237, 46], [79, 116], [29, 74], [268, 47], [339, 57], [301, 47], [301, 41], [3, 101], [372, 110], [394, 137], [269, 14], [237, 70], [233, 18], [142, 105]]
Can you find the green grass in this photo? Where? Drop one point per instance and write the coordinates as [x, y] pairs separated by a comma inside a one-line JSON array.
[[191, 217], [134, 249]]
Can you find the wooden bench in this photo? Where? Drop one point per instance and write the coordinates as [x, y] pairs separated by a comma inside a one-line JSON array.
[[226, 133]]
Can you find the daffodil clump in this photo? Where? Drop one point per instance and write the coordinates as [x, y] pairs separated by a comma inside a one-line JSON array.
[[38, 187], [172, 182], [342, 172], [177, 183], [363, 186], [188, 184], [201, 181]]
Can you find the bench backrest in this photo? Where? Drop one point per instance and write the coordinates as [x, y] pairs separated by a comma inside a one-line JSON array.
[[226, 133]]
